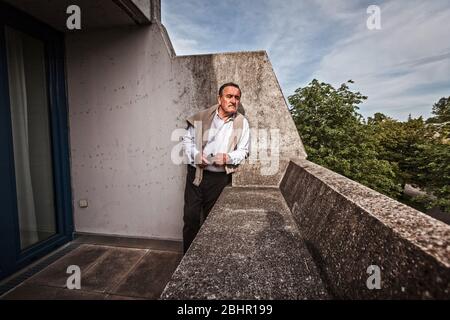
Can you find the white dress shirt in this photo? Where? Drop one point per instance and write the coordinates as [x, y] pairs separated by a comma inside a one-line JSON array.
[[218, 138]]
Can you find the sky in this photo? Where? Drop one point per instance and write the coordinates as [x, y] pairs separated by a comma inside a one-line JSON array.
[[403, 67]]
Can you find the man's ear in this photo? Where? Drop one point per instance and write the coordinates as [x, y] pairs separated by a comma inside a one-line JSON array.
[[218, 99]]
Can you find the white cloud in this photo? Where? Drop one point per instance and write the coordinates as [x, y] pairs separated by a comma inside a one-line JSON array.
[[393, 65], [403, 68]]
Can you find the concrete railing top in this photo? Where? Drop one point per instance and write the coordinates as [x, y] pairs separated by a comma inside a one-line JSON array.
[[248, 248]]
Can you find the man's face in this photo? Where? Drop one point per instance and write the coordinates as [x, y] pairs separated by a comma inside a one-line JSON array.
[[229, 100]]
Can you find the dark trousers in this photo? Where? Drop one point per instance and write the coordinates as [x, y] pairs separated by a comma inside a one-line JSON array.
[[198, 201]]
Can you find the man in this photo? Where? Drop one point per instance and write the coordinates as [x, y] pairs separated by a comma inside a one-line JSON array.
[[212, 160]]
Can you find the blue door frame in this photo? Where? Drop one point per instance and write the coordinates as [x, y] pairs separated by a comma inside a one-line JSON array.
[[12, 258]]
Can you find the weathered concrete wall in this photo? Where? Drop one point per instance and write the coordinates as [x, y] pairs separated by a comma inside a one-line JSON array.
[[144, 6], [349, 227], [128, 95], [138, 10], [155, 10], [274, 137]]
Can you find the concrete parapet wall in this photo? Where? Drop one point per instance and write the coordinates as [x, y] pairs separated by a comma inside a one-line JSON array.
[[274, 137], [348, 227]]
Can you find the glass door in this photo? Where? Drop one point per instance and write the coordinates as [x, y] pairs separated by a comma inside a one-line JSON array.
[[34, 166], [31, 137]]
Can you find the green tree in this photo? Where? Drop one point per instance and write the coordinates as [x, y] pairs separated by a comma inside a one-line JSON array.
[[420, 153], [441, 110], [378, 118], [384, 154], [398, 142], [432, 162], [441, 121], [335, 135]]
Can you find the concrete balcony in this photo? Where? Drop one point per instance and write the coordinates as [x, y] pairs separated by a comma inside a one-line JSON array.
[[297, 232], [313, 237]]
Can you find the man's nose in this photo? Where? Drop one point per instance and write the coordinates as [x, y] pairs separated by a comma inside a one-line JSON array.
[[233, 100]]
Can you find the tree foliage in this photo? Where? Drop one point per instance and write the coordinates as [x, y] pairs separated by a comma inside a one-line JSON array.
[[432, 163], [335, 136], [441, 110], [383, 154], [441, 119]]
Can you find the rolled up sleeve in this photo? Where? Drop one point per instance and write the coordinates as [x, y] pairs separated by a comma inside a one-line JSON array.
[[243, 146], [190, 150]]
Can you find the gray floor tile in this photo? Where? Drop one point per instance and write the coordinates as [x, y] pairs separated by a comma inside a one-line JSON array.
[[111, 269], [56, 274], [150, 276]]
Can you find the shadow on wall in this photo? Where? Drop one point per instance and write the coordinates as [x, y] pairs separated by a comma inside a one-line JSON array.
[[241, 109], [204, 85], [199, 90]]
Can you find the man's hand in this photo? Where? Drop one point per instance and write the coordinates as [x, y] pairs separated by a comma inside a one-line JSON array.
[[205, 162], [221, 159]]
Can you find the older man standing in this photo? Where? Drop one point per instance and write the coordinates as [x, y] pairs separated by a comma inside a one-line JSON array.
[[212, 160]]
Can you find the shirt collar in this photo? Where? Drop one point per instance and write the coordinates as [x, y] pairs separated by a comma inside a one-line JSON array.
[[229, 119]]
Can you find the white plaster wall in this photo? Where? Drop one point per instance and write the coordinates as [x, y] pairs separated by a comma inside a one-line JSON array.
[[121, 119], [127, 94]]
